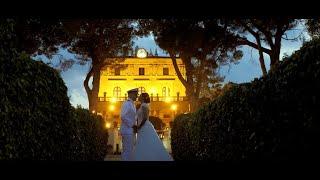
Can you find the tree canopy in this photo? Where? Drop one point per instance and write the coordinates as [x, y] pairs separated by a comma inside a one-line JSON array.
[[202, 45]]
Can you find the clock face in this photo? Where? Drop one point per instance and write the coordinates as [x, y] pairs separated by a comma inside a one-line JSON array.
[[141, 53]]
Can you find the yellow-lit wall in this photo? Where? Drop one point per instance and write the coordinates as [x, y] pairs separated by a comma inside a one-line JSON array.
[[153, 80]]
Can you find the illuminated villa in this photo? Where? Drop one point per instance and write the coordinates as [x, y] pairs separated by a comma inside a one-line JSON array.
[[152, 74]]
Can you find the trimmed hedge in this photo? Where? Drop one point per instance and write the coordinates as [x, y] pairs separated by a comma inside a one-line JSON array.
[[36, 119], [272, 118], [91, 139], [180, 137], [34, 111]]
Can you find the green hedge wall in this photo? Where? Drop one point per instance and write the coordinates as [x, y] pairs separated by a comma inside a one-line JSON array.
[[272, 118], [91, 137], [34, 110], [37, 121], [181, 141]]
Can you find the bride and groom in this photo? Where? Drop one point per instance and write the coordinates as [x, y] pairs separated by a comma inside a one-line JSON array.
[[147, 146]]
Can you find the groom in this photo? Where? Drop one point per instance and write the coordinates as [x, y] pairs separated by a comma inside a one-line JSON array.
[[128, 127]]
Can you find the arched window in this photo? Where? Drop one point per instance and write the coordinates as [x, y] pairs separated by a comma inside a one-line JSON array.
[[117, 91], [142, 90], [165, 91]]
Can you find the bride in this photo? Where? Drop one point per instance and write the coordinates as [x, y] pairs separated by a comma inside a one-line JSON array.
[[148, 146]]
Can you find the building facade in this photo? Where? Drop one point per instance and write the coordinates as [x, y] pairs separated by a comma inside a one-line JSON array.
[[154, 75]]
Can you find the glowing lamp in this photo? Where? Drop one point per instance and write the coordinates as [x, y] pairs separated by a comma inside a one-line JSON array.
[[174, 107], [108, 125], [111, 107]]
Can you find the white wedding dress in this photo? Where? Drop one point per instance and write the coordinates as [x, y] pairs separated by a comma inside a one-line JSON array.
[[148, 146]]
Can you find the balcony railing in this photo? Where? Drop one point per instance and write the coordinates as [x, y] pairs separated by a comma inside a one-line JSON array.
[[152, 98]]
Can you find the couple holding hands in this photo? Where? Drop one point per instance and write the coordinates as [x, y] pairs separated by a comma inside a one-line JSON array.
[[146, 146]]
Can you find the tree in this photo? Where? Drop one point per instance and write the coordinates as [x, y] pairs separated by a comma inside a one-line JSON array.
[[98, 41], [95, 40], [268, 32], [202, 46], [313, 27], [35, 35]]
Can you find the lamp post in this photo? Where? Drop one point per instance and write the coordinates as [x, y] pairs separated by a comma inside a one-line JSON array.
[[108, 125], [174, 109], [111, 125], [111, 108]]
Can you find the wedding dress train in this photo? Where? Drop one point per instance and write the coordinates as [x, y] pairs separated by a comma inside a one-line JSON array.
[[149, 146]]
